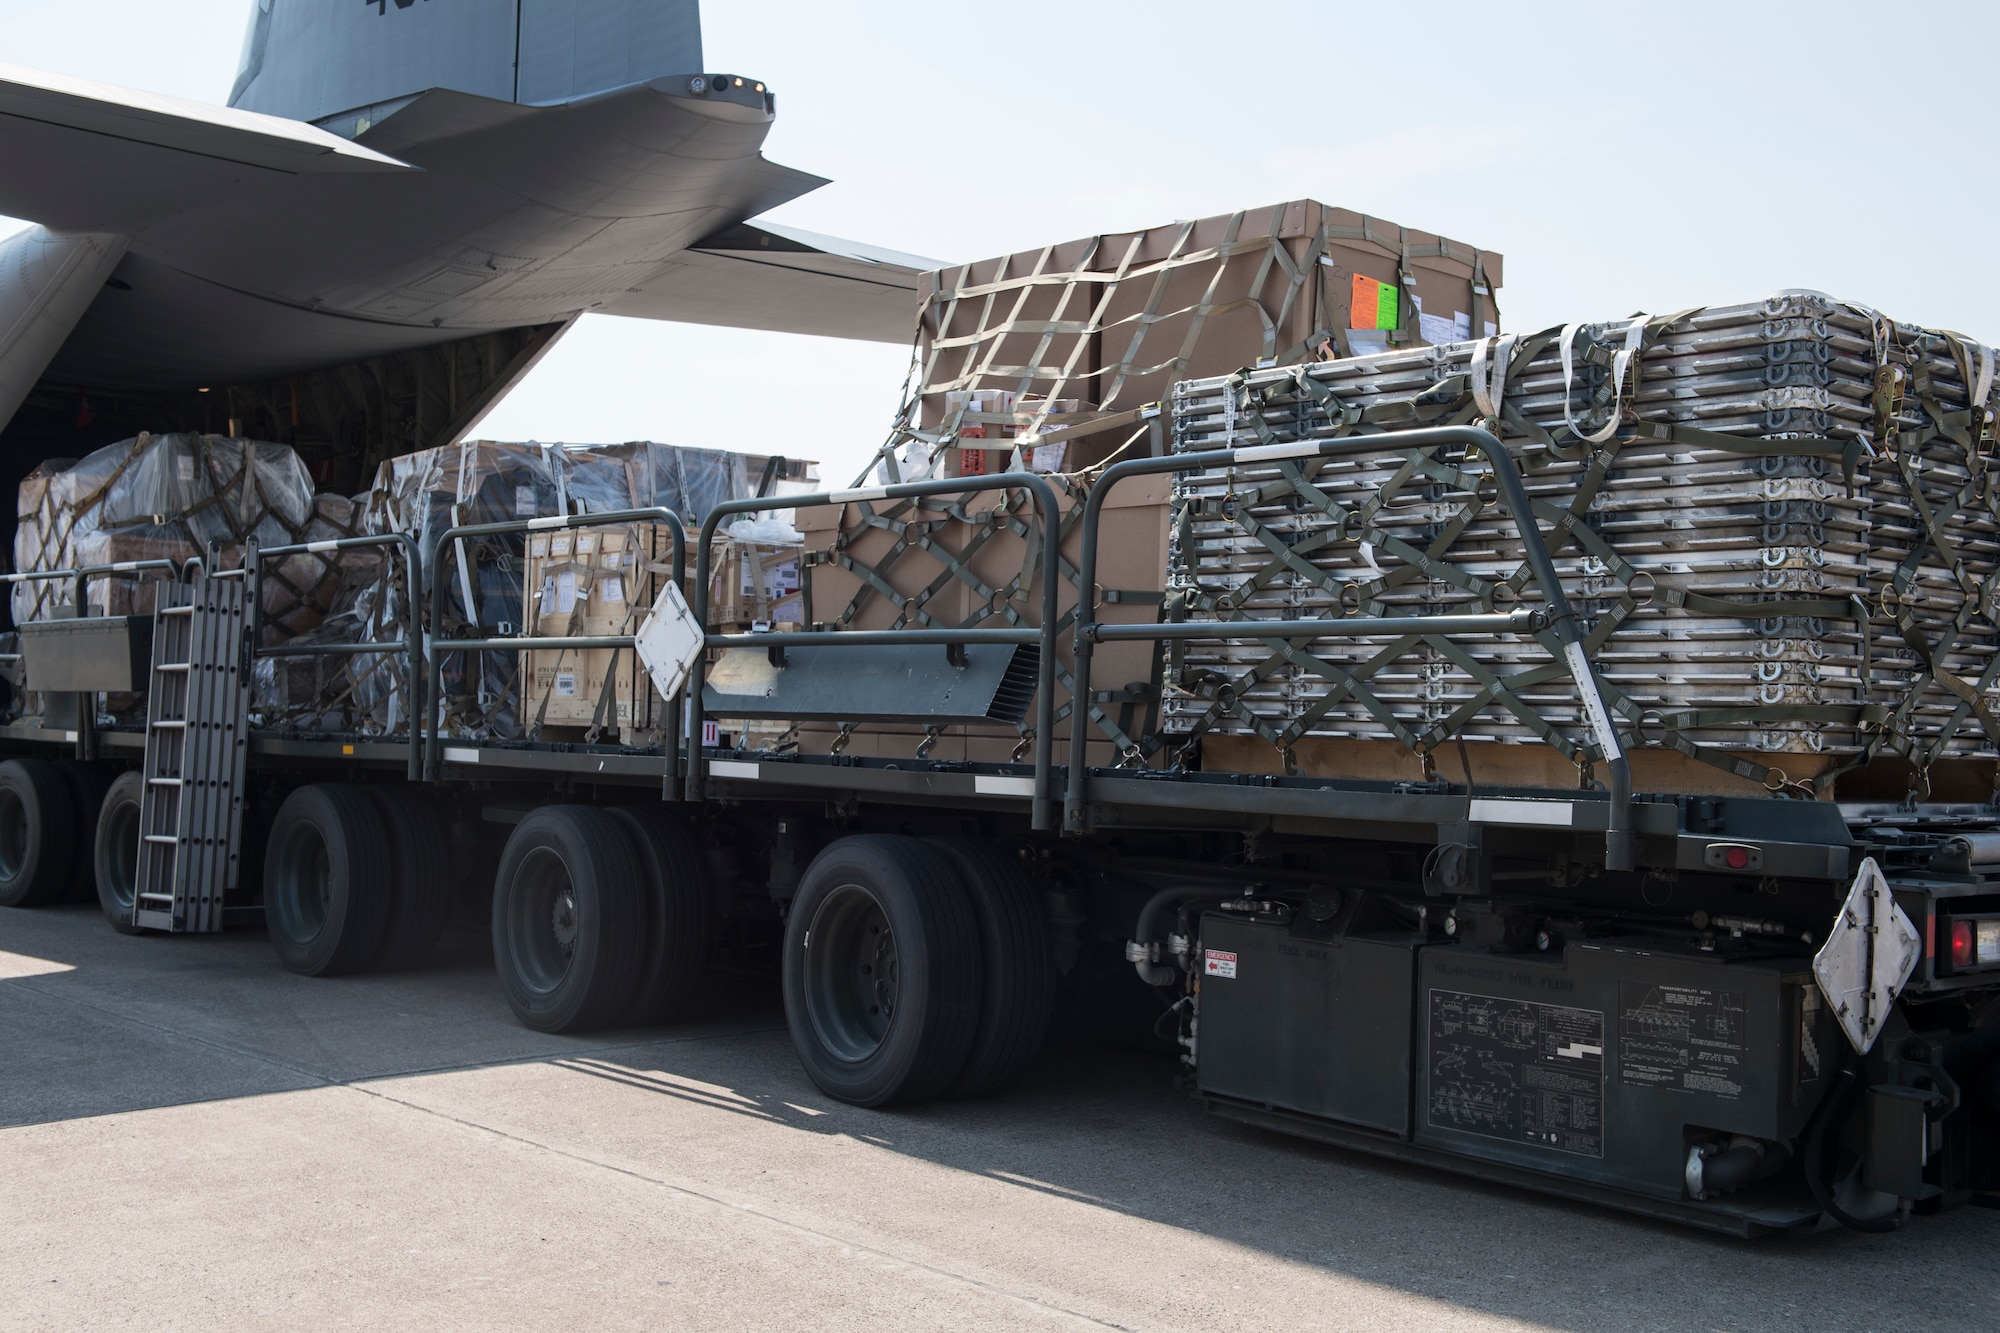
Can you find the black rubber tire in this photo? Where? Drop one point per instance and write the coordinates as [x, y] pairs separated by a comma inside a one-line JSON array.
[[37, 833], [327, 880], [89, 783], [675, 920], [420, 873], [879, 923], [566, 919], [114, 848], [1019, 994]]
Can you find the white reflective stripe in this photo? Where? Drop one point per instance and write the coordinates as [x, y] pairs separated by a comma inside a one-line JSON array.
[[124, 565], [1265, 453], [321, 548], [1487, 810], [729, 768], [460, 754], [859, 493], [552, 521], [986, 786], [1593, 702]]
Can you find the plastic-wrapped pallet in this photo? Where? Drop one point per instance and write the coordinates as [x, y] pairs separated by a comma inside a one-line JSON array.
[[475, 482], [169, 497], [1727, 492], [425, 494]]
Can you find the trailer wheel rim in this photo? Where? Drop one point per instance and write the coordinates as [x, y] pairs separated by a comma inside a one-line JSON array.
[[122, 847], [305, 885], [852, 974], [544, 920], [13, 833]]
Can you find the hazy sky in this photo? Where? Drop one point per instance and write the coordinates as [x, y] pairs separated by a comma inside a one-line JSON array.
[[1621, 156]]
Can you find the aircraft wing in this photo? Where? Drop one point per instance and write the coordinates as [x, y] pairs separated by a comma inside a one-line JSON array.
[[78, 156], [760, 275]]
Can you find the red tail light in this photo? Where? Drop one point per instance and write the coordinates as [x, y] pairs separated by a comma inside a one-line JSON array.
[[1962, 954]]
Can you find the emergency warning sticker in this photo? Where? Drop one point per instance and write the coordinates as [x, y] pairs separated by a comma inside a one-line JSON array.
[[1518, 1070], [1682, 1037], [1219, 963]]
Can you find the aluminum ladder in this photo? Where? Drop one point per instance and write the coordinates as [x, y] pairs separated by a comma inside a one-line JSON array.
[[197, 733]]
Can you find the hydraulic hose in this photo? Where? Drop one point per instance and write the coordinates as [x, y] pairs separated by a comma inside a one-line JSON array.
[[1148, 937], [1832, 1108]]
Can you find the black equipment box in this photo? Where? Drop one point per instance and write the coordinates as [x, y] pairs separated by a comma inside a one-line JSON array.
[[1608, 1060], [1605, 1061], [1318, 1026], [88, 653]]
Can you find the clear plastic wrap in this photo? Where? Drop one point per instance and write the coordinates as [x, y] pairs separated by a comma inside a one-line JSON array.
[[478, 481], [170, 497]]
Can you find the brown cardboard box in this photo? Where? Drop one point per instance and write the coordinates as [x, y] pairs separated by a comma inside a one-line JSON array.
[[593, 581], [755, 583], [1116, 319], [602, 581], [1131, 576]]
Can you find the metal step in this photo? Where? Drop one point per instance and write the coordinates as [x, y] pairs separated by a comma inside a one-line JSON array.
[[191, 806]]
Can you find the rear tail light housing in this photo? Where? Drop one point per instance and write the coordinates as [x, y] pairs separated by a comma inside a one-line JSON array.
[[1968, 944]]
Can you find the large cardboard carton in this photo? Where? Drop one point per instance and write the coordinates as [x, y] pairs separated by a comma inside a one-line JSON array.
[[902, 565], [1114, 320], [593, 581]]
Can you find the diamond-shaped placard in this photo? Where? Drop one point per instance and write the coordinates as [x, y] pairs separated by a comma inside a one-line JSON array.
[[1870, 952], [670, 641]]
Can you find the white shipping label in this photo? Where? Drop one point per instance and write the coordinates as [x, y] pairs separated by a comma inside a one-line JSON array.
[[565, 685], [548, 594], [1218, 963], [611, 588], [184, 468], [1438, 330], [559, 545], [614, 559], [524, 502], [1047, 457], [538, 545], [565, 592], [780, 580], [586, 542]]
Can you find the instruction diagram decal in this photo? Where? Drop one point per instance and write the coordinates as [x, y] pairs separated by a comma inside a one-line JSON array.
[[1682, 1037], [1517, 1070]]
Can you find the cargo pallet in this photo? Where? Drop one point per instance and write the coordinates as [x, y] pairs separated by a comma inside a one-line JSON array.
[[1746, 1014]]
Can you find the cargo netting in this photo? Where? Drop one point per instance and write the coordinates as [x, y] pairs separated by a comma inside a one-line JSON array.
[[1778, 521], [1032, 360], [174, 497]]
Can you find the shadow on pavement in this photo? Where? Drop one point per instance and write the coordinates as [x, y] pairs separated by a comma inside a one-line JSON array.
[[93, 1023]]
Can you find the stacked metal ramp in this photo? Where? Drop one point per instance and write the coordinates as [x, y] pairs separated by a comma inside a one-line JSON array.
[[1776, 518]]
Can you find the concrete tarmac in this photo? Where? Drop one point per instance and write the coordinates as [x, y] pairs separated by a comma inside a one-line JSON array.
[[190, 1137]]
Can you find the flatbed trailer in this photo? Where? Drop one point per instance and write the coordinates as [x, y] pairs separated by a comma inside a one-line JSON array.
[[1747, 1014]]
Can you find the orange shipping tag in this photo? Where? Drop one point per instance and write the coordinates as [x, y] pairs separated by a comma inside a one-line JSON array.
[[1373, 305]]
